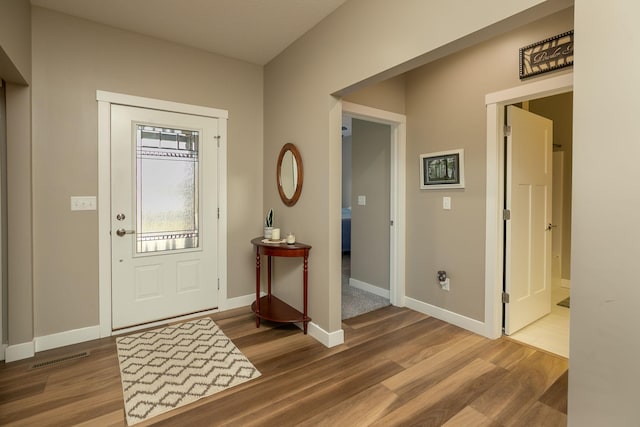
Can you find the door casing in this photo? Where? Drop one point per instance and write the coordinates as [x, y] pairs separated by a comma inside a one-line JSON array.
[[105, 100], [494, 241]]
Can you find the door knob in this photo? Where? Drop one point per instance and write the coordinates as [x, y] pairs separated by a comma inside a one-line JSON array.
[[121, 232], [550, 226]]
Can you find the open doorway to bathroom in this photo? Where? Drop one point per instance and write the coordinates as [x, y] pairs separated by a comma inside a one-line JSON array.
[[551, 332]]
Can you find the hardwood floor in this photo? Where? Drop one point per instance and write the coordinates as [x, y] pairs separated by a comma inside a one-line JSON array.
[[397, 367]]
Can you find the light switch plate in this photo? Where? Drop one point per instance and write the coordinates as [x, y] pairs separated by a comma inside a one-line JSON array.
[[83, 203], [446, 203], [362, 200]]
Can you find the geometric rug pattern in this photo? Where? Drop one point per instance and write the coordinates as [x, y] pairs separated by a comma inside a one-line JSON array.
[[565, 302], [166, 368]]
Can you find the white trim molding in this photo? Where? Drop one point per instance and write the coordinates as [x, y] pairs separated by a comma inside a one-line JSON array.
[[328, 339], [61, 339], [159, 104], [494, 248], [376, 290], [464, 322], [105, 100], [21, 351]]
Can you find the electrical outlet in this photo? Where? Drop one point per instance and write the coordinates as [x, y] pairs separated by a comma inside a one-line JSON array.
[[445, 285]]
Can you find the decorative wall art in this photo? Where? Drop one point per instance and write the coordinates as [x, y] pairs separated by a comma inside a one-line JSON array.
[[547, 55], [444, 169]]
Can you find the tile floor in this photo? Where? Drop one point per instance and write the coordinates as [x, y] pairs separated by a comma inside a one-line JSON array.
[[550, 333]]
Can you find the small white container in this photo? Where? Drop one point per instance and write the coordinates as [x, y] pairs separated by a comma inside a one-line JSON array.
[[275, 234], [268, 232]]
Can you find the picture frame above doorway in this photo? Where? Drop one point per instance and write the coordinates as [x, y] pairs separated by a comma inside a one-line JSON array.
[[443, 169], [546, 55]]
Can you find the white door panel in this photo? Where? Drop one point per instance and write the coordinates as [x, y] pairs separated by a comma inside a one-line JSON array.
[[528, 236], [164, 203], [556, 244]]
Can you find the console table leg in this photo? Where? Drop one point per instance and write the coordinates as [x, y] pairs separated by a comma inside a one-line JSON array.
[[304, 298], [257, 287]]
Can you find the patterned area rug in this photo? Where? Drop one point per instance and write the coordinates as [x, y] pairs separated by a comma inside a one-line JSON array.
[[166, 368], [565, 302]]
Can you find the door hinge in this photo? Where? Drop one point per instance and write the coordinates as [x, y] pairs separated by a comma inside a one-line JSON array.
[[218, 283], [391, 223], [507, 130], [217, 138], [218, 213], [505, 298], [506, 214]]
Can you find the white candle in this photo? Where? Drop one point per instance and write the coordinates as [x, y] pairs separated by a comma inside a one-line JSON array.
[[275, 234]]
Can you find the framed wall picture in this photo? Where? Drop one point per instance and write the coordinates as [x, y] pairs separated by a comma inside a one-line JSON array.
[[444, 169], [546, 55]]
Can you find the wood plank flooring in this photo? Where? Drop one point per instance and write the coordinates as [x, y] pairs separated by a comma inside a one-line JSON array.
[[396, 368]]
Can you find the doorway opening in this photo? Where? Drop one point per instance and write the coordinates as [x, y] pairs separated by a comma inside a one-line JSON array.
[[549, 331], [372, 208], [496, 165], [366, 162]]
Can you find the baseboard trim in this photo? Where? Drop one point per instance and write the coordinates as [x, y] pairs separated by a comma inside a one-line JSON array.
[[328, 339], [75, 336], [464, 322], [241, 301], [565, 283], [3, 351], [61, 339], [21, 351], [376, 290]]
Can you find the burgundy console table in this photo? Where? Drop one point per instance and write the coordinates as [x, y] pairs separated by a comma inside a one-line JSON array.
[[269, 307]]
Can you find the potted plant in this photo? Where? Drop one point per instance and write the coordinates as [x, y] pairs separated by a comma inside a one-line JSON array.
[[268, 224]]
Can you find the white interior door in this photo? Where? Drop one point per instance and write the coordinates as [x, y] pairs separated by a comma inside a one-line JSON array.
[[528, 234], [164, 231]]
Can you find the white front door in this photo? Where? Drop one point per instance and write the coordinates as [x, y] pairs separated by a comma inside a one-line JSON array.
[[528, 235], [164, 201]]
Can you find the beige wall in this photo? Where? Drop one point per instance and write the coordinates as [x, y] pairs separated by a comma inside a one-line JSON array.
[[377, 39], [445, 111], [371, 174], [72, 58], [15, 68], [559, 108], [19, 242], [15, 41], [388, 95], [605, 302]]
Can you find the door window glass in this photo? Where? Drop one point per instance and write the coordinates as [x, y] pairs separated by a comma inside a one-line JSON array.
[[166, 189]]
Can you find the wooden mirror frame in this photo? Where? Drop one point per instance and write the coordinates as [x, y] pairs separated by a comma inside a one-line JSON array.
[[296, 155]]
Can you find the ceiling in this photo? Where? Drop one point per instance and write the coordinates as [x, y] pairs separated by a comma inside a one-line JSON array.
[[255, 31]]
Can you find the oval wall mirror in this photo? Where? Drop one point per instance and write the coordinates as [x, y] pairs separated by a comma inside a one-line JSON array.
[[289, 174]]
